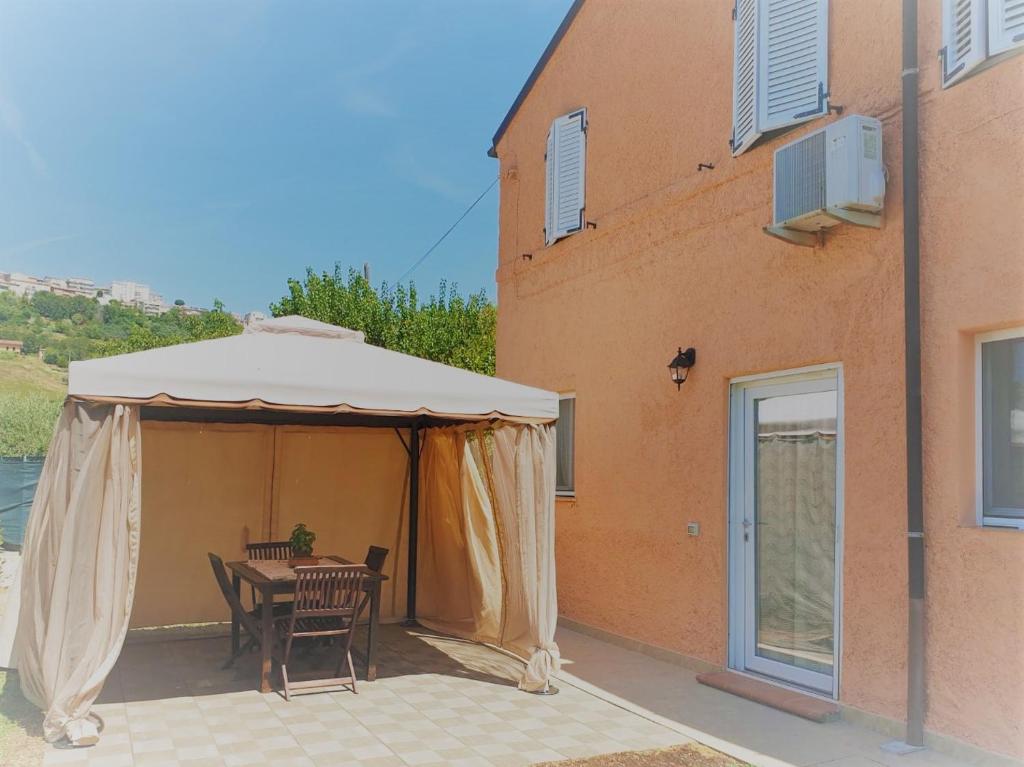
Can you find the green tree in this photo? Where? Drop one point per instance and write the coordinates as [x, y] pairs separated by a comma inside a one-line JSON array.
[[447, 328], [173, 327], [213, 324], [30, 344], [55, 307], [14, 309]]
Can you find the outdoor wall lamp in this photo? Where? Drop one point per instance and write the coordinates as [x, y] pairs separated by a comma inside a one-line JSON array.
[[680, 366]]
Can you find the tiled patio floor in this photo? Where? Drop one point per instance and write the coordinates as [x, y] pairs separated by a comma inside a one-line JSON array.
[[442, 701], [437, 701]]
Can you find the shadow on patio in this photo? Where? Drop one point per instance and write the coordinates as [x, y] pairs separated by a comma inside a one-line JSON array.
[[150, 669]]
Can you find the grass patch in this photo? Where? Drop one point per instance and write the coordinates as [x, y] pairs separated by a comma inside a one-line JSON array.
[[27, 374], [689, 755], [27, 421], [21, 732], [31, 393]]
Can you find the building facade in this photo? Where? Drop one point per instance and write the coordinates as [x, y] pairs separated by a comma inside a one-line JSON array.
[[138, 295], [755, 516], [23, 284]]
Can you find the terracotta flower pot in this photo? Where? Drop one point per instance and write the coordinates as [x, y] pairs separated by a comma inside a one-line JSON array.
[[303, 561]]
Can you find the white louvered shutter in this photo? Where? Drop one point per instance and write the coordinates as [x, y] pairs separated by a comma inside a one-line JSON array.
[[792, 61], [566, 169], [744, 74], [963, 38], [1005, 25], [549, 188]]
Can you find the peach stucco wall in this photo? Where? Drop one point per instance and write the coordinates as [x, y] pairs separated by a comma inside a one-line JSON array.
[[678, 258]]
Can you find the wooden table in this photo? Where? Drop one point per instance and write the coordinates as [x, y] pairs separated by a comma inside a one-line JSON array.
[[241, 571]]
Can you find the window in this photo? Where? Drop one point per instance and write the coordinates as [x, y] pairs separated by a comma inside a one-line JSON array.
[[974, 31], [1000, 392], [780, 66], [565, 437], [566, 162]]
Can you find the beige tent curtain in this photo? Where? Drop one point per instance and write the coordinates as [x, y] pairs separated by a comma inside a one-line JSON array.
[[459, 566], [487, 541], [80, 557]]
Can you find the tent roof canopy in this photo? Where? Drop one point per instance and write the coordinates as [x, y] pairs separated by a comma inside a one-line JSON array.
[[298, 365]]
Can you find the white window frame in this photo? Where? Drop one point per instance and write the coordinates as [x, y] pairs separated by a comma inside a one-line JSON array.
[[569, 493], [979, 431], [734, 537]]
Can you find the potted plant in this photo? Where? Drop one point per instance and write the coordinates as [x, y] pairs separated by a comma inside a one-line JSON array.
[[302, 546]]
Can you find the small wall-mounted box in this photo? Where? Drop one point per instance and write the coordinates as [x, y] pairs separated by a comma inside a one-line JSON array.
[[693, 528]]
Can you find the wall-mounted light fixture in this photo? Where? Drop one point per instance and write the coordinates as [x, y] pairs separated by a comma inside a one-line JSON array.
[[680, 366]]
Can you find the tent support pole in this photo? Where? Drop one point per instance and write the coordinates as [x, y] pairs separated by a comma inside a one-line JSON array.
[[414, 522]]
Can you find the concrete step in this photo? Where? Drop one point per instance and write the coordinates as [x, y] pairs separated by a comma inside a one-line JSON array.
[[806, 706]]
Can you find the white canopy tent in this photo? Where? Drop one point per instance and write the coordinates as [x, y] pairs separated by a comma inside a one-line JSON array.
[[479, 524], [298, 364]]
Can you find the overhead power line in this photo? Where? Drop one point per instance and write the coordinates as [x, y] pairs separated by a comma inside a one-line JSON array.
[[451, 228]]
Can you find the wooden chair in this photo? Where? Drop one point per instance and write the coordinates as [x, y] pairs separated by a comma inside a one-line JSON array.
[[267, 550], [249, 620], [375, 558], [327, 604]]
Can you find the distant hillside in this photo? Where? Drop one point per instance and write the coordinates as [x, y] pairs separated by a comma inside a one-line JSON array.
[[27, 374], [75, 328]]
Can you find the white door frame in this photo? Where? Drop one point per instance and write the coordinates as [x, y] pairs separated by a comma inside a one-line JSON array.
[[736, 511]]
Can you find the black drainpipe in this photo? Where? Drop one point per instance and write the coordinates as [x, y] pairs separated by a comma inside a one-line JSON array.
[[912, 331]]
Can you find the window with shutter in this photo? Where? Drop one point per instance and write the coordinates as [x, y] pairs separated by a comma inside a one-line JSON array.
[[780, 66], [744, 89], [963, 38], [1005, 25], [566, 176]]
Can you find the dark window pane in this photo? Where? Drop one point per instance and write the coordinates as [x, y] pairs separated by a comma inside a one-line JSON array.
[[565, 432], [1003, 426]]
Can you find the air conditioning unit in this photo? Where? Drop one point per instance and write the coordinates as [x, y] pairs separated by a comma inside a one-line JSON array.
[[828, 177]]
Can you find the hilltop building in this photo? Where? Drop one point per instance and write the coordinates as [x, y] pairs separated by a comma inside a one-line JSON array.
[[138, 294]]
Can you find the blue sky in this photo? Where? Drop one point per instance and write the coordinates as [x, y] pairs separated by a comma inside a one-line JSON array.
[[215, 148]]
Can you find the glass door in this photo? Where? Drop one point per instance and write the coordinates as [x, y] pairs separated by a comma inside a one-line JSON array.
[[784, 500]]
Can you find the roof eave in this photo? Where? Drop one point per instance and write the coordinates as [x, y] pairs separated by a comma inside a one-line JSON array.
[[574, 9]]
